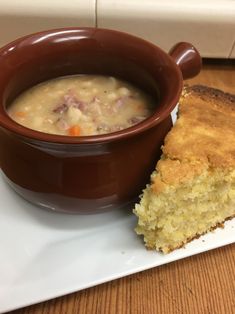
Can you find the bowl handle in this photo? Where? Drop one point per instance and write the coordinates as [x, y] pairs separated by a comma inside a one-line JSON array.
[[187, 58]]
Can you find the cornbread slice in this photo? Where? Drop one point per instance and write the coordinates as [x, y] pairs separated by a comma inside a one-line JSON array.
[[192, 190]]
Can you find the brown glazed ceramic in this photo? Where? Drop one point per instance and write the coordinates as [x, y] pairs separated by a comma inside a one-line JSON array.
[[93, 173]]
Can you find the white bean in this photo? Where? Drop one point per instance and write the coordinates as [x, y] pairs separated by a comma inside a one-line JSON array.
[[124, 91], [73, 115], [112, 96]]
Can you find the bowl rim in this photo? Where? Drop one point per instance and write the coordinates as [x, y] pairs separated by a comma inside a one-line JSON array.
[[157, 117]]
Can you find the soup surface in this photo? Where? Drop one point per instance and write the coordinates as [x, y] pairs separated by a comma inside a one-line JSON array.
[[81, 105]]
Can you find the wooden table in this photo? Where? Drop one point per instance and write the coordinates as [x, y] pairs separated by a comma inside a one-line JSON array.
[[202, 284]]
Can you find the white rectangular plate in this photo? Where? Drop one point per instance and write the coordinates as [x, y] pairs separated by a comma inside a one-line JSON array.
[[44, 255]]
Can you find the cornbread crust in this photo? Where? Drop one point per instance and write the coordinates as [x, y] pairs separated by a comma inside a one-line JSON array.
[[198, 141], [197, 236], [192, 188]]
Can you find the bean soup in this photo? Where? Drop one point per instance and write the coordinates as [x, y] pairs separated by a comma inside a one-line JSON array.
[[81, 105]]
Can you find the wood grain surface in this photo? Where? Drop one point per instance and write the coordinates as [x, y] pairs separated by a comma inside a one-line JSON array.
[[202, 284]]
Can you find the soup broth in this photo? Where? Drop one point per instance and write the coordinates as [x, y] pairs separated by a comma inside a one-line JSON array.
[[81, 105]]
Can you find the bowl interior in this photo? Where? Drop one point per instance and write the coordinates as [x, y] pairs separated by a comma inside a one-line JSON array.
[[42, 56]]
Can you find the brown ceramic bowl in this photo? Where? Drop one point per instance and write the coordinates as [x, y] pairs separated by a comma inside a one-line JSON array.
[[92, 173]]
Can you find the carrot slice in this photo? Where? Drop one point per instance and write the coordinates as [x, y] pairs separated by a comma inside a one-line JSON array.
[[74, 130], [20, 114]]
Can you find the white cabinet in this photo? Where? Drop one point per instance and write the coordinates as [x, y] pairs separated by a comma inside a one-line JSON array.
[[208, 24], [18, 18]]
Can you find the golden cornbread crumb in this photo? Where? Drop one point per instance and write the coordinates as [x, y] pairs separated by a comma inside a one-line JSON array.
[[192, 189]]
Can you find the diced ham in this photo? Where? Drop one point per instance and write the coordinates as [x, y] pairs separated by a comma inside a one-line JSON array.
[[80, 105], [62, 124], [120, 102], [69, 100], [61, 108], [95, 99]]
